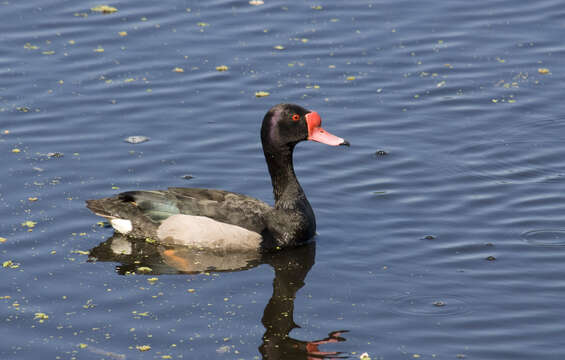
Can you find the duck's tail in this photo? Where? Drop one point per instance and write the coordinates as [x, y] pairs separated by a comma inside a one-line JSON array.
[[135, 213]]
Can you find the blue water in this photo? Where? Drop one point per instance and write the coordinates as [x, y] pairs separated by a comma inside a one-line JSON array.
[[449, 243]]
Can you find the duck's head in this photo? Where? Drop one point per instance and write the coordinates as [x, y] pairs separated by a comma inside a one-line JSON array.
[[285, 125]]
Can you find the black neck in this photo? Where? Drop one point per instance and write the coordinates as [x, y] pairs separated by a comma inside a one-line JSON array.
[[286, 188]]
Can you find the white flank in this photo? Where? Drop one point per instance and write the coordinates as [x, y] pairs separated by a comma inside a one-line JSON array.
[[123, 226], [203, 232]]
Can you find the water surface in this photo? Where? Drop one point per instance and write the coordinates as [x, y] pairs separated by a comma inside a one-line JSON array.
[[449, 243]]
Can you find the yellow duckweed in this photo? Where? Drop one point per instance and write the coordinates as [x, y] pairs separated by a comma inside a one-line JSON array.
[[543, 71], [262, 93], [104, 9]]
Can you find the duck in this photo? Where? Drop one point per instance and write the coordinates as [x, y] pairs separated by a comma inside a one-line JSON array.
[[210, 219]]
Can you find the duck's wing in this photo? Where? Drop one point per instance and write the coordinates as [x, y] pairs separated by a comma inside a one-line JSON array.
[[152, 207], [224, 206]]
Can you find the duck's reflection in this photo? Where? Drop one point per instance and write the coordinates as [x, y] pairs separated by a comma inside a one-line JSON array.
[[278, 317], [291, 267]]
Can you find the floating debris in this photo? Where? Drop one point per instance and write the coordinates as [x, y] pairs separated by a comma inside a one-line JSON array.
[[262, 93], [144, 314], [278, 47], [438, 303], [2, 240], [187, 177], [350, 78], [81, 252], [29, 46], [104, 9], [543, 71], [10, 264], [178, 70], [56, 155], [32, 198], [223, 349], [41, 316], [123, 33], [381, 153], [143, 269], [143, 347], [30, 224], [153, 280], [256, 2], [222, 68], [365, 356], [429, 237], [98, 49], [89, 304], [203, 24], [491, 258], [136, 139], [16, 150], [23, 109]]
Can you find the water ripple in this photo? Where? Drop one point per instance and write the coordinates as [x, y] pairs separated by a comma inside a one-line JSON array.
[[441, 305], [545, 237]]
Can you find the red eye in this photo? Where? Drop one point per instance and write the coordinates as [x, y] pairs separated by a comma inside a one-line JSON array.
[[295, 117]]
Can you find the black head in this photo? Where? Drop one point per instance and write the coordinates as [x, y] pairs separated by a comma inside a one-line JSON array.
[[285, 125]]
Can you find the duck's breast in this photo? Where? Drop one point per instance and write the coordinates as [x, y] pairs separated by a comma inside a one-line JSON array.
[[205, 233]]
